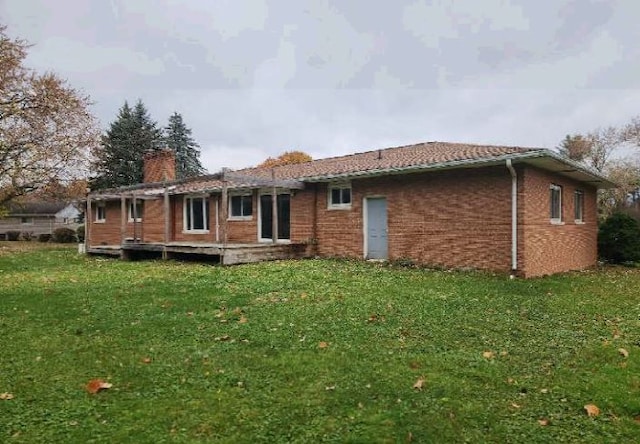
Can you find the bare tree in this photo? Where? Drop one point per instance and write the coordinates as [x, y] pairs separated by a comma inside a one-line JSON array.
[[603, 142], [46, 130], [575, 147]]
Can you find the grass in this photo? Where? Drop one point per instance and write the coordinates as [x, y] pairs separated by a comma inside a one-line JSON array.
[[237, 353]]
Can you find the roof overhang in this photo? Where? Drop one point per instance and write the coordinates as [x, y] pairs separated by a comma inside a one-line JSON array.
[[543, 159]]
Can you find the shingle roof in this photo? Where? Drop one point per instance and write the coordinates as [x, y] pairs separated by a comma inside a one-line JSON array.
[[36, 207], [383, 161], [421, 154]]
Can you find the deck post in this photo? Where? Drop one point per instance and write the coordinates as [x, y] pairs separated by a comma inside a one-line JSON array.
[[134, 215], [274, 208], [167, 219], [88, 220], [123, 218], [225, 209]]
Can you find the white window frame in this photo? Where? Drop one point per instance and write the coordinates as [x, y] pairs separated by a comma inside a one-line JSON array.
[[339, 186], [101, 206], [555, 220], [130, 206], [578, 197], [242, 216], [187, 206]]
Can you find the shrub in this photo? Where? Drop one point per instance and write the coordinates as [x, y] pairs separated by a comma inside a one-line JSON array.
[[63, 235], [27, 235], [619, 239], [80, 233], [13, 235], [44, 237]]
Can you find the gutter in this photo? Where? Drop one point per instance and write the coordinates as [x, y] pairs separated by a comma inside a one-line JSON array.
[[452, 164], [514, 217]]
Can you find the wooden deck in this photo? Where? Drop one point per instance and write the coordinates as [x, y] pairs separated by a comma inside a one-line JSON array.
[[226, 254]]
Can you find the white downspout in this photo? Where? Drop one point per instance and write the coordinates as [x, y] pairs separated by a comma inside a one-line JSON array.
[[514, 217]]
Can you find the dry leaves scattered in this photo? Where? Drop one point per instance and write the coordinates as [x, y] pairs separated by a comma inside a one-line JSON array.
[[323, 344], [592, 410], [488, 354], [419, 383], [95, 385], [6, 396], [543, 422], [623, 352]]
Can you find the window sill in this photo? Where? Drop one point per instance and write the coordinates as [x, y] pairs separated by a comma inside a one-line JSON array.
[[280, 241], [137, 220], [195, 231], [580, 222], [240, 218], [339, 207], [99, 221], [556, 222]]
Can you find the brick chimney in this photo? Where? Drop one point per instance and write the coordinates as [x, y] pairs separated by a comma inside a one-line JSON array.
[[159, 166]]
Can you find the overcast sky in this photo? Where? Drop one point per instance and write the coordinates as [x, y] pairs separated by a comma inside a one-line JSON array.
[[255, 78]]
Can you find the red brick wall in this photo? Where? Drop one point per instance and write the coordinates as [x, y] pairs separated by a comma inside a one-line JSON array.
[[452, 219], [177, 216], [107, 232], [546, 248], [456, 218]]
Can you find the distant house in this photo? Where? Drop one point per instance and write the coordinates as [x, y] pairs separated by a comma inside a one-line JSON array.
[[39, 217], [508, 209]]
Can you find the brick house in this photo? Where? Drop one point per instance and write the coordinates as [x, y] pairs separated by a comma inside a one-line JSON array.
[[506, 209]]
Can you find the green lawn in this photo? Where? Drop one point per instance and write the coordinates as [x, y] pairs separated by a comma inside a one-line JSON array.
[[312, 351]]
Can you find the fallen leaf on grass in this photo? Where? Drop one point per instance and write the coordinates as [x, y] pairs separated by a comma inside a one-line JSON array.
[[95, 385], [243, 320], [419, 383], [6, 396], [146, 360], [515, 406], [637, 419], [488, 354], [616, 334], [592, 410], [543, 422], [223, 338], [330, 387], [623, 352], [323, 344], [409, 437]]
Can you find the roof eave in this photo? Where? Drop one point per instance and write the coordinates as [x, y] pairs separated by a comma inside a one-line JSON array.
[[590, 176]]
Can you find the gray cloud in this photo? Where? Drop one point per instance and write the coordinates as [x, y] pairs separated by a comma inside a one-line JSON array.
[[254, 77]]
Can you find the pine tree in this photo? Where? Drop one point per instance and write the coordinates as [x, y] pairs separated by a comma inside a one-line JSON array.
[[178, 138], [129, 137]]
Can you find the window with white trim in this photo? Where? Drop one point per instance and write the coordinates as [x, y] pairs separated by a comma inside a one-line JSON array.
[[26, 220], [196, 214], [138, 210], [101, 212], [578, 206], [339, 196], [241, 206], [555, 203]]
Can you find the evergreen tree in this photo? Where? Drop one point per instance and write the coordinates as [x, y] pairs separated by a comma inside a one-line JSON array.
[[130, 136], [178, 138]]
